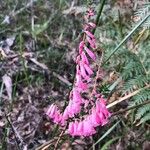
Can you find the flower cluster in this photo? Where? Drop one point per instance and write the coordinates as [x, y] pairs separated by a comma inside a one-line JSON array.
[[94, 108]]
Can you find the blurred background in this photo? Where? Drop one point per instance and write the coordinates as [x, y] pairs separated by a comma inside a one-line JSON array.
[[38, 46]]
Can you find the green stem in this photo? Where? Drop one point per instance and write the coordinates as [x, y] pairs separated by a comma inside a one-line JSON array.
[[127, 37], [99, 14]]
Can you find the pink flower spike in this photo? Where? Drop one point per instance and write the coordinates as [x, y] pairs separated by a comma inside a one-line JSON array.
[[90, 34], [90, 53]]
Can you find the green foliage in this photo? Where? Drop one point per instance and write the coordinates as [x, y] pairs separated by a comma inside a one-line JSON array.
[[135, 72], [142, 12], [107, 144], [106, 133], [136, 75], [133, 64]]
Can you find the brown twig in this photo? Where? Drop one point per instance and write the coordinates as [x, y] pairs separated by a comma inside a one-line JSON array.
[[14, 131], [127, 109], [57, 142], [46, 145], [126, 97], [61, 134]]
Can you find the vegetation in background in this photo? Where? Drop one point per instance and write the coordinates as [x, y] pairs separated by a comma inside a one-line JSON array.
[[38, 46]]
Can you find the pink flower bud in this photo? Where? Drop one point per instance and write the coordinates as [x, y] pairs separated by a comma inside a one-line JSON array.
[[89, 34], [93, 25], [90, 53], [84, 58], [81, 45], [91, 41]]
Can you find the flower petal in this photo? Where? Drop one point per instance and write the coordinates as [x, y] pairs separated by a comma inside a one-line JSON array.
[[90, 53]]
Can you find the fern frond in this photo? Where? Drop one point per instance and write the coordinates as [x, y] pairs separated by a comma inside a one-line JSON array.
[[145, 118], [142, 111], [142, 96], [132, 69], [142, 12], [138, 82]]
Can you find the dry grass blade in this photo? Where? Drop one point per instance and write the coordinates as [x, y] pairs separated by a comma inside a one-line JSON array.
[[126, 97]]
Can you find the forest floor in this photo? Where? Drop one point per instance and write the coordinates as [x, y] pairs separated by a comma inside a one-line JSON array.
[[38, 46]]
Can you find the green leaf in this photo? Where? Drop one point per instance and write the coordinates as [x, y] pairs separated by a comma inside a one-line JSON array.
[[106, 134], [40, 28], [107, 144]]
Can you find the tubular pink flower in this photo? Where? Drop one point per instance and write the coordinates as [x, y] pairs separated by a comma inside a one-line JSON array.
[[88, 33], [90, 12], [102, 118], [76, 96], [78, 59], [90, 53], [75, 126], [91, 41], [80, 84], [80, 128], [52, 111], [65, 114], [101, 107], [81, 45], [88, 128], [58, 117], [73, 108], [49, 109], [84, 58], [71, 128], [95, 119], [88, 69], [93, 25], [83, 72]]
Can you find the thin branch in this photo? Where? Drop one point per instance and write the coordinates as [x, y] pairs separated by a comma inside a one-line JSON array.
[[126, 97], [61, 134], [14, 131], [130, 108], [46, 144]]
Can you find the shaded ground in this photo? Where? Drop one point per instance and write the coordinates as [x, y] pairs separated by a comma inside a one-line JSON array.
[[38, 41]]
